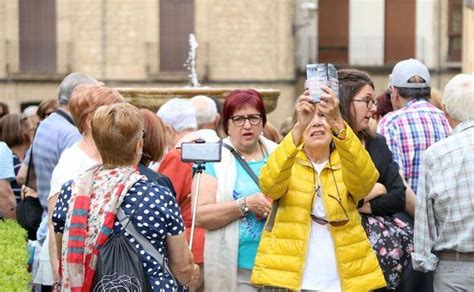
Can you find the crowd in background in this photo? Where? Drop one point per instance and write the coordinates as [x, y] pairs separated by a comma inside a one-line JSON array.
[[357, 192]]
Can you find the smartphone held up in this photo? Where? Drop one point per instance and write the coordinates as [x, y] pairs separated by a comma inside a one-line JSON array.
[[321, 74], [199, 151]]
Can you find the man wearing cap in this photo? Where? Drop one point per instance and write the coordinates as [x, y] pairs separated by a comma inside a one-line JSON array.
[[444, 230], [416, 124]]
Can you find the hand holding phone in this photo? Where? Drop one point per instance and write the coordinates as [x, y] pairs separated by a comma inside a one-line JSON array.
[[319, 75]]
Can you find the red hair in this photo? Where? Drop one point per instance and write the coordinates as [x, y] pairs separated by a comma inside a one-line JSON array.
[[384, 105], [238, 99], [154, 143]]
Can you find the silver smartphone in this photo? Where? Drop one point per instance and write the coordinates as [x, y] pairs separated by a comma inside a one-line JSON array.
[[318, 75], [201, 152]]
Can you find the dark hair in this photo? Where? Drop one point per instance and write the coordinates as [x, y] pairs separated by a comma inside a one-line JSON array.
[[414, 93], [14, 130], [238, 99], [5, 109], [351, 81], [384, 104], [154, 142]]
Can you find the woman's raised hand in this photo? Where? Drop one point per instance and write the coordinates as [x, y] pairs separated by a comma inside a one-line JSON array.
[[259, 204], [329, 108], [305, 110]]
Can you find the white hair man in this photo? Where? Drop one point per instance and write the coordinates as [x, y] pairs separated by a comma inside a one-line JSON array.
[[207, 117], [444, 229], [179, 117]]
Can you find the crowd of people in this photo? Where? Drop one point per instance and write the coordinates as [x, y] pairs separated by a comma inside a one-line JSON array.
[[357, 192]]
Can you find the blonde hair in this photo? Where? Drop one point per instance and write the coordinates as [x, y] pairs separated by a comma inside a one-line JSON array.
[[116, 130], [87, 98], [435, 98]]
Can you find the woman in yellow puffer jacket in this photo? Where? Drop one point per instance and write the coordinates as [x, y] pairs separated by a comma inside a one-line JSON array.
[[313, 239]]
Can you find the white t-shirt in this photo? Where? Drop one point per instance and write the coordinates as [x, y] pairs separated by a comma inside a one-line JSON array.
[[73, 162], [320, 272]]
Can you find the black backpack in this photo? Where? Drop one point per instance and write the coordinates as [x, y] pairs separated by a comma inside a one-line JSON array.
[[119, 265]]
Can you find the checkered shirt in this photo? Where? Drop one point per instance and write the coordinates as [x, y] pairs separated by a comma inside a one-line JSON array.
[[444, 218], [409, 132], [6, 162]]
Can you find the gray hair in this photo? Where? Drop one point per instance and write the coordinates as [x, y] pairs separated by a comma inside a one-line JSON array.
[[69, 83], [459, 97], [179, 114], [30, 111], [206, 109]]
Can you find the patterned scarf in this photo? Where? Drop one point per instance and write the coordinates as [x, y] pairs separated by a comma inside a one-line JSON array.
[[95, 197]]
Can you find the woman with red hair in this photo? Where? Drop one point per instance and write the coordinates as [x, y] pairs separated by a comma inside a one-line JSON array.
[[230, 205]]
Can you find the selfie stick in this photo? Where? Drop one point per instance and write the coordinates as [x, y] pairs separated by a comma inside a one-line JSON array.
[[200, 167]]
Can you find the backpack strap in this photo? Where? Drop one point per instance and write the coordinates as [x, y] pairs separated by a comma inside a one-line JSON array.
[[145, 244], [65, 116]]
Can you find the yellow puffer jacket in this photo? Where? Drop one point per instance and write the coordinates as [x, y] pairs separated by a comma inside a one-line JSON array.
[[290, 177]]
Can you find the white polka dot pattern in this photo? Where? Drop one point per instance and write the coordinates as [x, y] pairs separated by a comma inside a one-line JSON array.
[[156, 217]]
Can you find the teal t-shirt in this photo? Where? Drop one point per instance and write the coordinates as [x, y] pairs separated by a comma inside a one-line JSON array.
[[250, 228]]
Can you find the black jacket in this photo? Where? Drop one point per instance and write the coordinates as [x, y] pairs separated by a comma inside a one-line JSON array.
[[153, 176], [394, 200]]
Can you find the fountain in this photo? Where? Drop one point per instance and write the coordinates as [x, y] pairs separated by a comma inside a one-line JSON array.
[[191, 61], [153, 97]]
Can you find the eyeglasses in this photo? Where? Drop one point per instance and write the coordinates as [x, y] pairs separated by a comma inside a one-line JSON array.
[[368, 101], [143, 133], [334, 223], [239, 121]]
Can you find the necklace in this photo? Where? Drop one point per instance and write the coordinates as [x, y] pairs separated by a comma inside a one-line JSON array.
[[254, 156]]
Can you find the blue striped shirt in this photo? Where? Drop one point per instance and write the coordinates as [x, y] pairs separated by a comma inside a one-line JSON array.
[[53, 136]]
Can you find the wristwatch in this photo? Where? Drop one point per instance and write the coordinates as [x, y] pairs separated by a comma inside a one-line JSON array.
[[340, 134], [244, 210]]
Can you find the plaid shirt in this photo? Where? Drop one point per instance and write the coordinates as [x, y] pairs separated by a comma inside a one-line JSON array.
[[445, 202], [409, 132]]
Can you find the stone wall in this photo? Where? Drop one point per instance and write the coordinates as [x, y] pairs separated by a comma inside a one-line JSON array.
[[468, 40], [245, 43]]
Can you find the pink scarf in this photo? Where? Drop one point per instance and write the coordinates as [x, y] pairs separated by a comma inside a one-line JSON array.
[[96, 196]]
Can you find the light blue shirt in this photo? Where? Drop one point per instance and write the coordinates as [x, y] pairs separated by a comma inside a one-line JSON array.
[[54, 135], [250, 228], [6, 162]]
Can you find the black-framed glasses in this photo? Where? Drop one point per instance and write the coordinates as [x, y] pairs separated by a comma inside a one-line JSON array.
[[143, 133], [239, 121], [368, 101], [324, 221]]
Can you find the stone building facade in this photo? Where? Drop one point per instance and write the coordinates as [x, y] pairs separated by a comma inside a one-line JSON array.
[[242, 43]]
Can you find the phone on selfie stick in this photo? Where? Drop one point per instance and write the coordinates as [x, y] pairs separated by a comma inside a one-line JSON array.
[[199, 152]]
